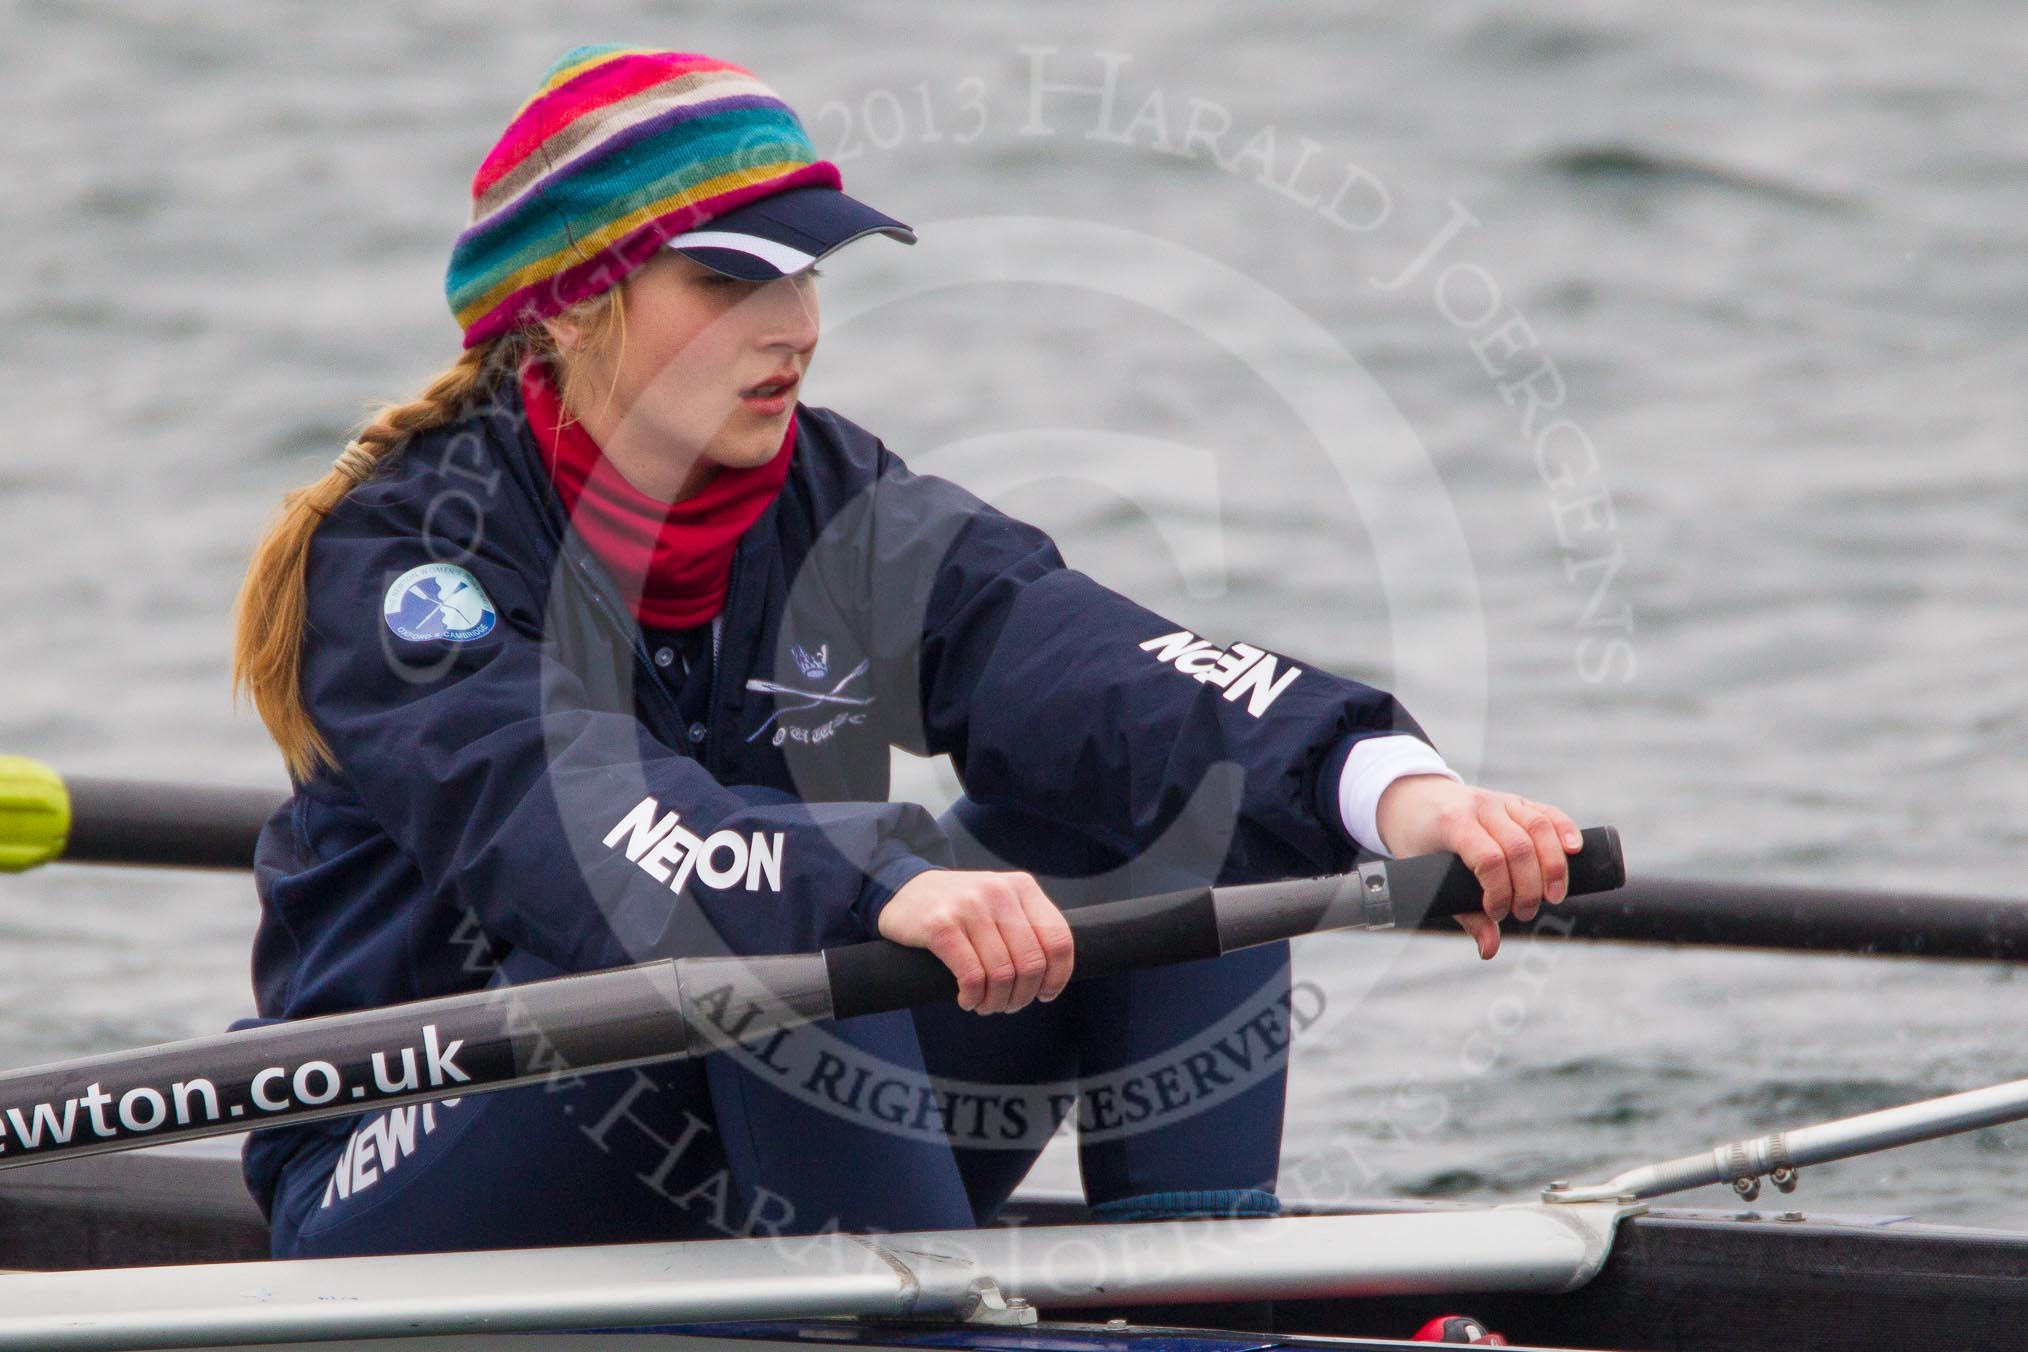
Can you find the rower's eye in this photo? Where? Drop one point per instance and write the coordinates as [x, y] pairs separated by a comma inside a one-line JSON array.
[[719, 280]]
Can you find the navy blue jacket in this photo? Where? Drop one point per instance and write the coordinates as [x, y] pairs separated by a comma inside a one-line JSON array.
[[510, 788]]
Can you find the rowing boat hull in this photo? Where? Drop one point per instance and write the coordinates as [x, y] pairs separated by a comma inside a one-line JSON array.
[[1676, 1279]]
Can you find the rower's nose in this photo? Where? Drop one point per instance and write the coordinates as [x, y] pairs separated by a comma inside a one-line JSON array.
[[789, 321]]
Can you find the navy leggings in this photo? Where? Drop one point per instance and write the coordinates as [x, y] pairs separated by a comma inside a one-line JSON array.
[[915, 1120]]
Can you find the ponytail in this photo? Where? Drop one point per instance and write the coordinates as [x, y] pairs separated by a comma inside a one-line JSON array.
[[273, 601], [273, 605]]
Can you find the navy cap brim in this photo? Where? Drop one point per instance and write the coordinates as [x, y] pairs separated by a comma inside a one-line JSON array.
[[787, 233]]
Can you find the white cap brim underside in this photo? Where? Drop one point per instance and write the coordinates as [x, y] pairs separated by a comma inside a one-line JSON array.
[[781, 257]]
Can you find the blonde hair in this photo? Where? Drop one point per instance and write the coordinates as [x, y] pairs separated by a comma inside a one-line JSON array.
[[273, 604]]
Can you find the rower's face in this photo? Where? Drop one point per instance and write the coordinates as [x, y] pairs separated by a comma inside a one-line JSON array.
[[695, 346]]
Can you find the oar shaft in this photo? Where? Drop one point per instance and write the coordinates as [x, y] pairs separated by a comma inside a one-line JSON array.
[[342, 1064], [1798, 919], [120, 821]]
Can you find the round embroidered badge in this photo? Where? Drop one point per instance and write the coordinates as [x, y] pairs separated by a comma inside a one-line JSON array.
[[439, 600]]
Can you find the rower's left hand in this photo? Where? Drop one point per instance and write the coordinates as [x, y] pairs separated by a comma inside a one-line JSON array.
[[1516, 847]]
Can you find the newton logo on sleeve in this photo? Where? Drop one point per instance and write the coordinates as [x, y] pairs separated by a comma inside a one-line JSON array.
[[438, 601]]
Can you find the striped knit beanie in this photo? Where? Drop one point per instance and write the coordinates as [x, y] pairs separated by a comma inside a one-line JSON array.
[[620, 150]]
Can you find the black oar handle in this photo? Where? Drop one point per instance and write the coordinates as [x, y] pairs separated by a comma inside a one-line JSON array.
[[1110, 936], [1453, 890], [1170, 927]]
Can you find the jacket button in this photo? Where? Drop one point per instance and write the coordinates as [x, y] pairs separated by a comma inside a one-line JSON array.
[[664, 656], [697, 732]]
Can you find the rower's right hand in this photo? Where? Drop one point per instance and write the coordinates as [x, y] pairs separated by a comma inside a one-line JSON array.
[[1001, 937], [1518, 848]]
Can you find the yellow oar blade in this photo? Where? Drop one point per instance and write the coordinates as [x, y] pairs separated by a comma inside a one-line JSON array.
[[34, 814]]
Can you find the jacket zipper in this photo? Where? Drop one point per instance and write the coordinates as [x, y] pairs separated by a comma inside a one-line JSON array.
[[645, 663], [711, 718]]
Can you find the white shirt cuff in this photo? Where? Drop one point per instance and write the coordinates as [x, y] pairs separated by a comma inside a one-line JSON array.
[[1375, 763]]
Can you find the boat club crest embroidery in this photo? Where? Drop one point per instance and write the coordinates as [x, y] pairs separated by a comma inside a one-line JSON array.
[[839, 704], [438, 601]]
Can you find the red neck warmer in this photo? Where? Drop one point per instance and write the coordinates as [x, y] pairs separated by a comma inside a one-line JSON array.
[[671, 560]]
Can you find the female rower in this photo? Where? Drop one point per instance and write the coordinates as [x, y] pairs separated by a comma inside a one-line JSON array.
[[595, 652]]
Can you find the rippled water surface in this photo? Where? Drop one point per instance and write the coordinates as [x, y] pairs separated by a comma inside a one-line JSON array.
[[1769, 263]]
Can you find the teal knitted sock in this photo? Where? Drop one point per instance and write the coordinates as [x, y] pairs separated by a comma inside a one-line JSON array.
[[1193, 1204]]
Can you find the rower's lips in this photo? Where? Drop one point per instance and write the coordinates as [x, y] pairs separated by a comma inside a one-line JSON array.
[[782, 382]]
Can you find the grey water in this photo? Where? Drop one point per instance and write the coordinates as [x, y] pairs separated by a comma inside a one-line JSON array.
[[1638, 390]]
